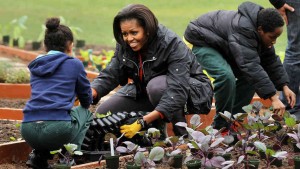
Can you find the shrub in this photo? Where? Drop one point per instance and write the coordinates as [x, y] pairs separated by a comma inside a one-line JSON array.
[[3, 71], [20, 75]]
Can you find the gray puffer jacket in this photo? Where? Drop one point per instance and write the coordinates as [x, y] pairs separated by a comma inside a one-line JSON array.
[[166, 55], [234, 34]]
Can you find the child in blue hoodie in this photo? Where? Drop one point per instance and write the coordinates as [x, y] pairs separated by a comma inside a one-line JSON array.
[[50, 121]]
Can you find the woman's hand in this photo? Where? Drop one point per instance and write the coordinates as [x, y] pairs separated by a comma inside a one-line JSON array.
[[132, 129]]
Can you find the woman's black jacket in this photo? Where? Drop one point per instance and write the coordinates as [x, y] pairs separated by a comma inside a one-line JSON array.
[[166, 55]]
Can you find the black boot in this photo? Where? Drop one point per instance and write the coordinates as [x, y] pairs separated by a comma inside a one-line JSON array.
[[38, 160]]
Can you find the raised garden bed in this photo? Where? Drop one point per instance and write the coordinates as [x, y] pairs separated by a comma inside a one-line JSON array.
[[16, 152]]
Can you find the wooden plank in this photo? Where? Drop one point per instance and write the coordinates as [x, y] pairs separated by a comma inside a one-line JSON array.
[[11, 114], [15, 91], [14, 152]]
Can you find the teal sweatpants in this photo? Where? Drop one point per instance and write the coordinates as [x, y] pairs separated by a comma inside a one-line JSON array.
[[52, 135], [230, 93]]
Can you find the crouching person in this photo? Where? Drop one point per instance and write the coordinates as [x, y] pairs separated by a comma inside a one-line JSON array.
[[161, 67], [56, 79], [236, 48]]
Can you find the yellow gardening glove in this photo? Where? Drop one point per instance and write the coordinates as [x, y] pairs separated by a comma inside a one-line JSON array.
[[131, 129]]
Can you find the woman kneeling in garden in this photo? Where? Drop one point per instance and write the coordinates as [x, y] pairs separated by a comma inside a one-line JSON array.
[[160, 66]]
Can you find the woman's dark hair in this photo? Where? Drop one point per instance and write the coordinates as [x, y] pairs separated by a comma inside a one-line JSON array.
[[142, 14], [269, 19], [57, 36]]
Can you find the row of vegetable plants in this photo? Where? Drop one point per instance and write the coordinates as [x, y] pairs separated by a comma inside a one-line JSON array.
[[12, 33], [258, 138]]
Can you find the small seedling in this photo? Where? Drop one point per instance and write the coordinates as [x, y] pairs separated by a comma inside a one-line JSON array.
[[71, 151]]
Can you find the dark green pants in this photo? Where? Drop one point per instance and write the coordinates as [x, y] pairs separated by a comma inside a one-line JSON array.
[[52, 135], [230, 93]]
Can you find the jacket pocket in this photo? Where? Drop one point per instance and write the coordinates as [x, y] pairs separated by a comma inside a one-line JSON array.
[[200, 97]]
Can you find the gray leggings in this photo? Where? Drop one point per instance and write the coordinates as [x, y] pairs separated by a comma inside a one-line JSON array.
[[155, 89]]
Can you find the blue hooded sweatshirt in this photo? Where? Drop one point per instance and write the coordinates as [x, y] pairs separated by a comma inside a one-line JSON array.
[[56, 79]]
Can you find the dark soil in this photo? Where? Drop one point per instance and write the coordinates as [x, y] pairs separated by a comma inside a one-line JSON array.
[[20, 165], [9, 131], [13, 103]]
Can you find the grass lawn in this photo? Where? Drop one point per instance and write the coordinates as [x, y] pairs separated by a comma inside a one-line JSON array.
[[95, 17]]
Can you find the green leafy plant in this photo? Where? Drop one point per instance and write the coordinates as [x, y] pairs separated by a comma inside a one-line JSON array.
[[4, 66], [106, 58], [9, 74], [75, 29], [296, 136], [18, 26], [174, 155], [205, 145], [154, 135], [270, 153], [1, 29], [5, 29], [41, 34], [156, 154], [71, 150], [100, 61], [130, 148], [85, 54], [269, 126], [19, 75]]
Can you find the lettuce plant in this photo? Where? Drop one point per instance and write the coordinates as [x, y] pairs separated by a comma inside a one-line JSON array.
[[71, 150], [296, 136], [270, 153], [205, 145], [130, 148], [176, 146], [156, 154], [267, 125]]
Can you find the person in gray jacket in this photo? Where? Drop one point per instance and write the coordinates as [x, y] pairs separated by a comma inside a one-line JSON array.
[[161, 69], [236, 49]]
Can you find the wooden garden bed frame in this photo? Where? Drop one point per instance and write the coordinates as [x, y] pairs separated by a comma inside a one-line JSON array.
[[29, 56]]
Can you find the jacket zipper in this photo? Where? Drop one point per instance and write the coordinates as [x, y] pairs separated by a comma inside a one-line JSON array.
[[153, 59], [138, 70]]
